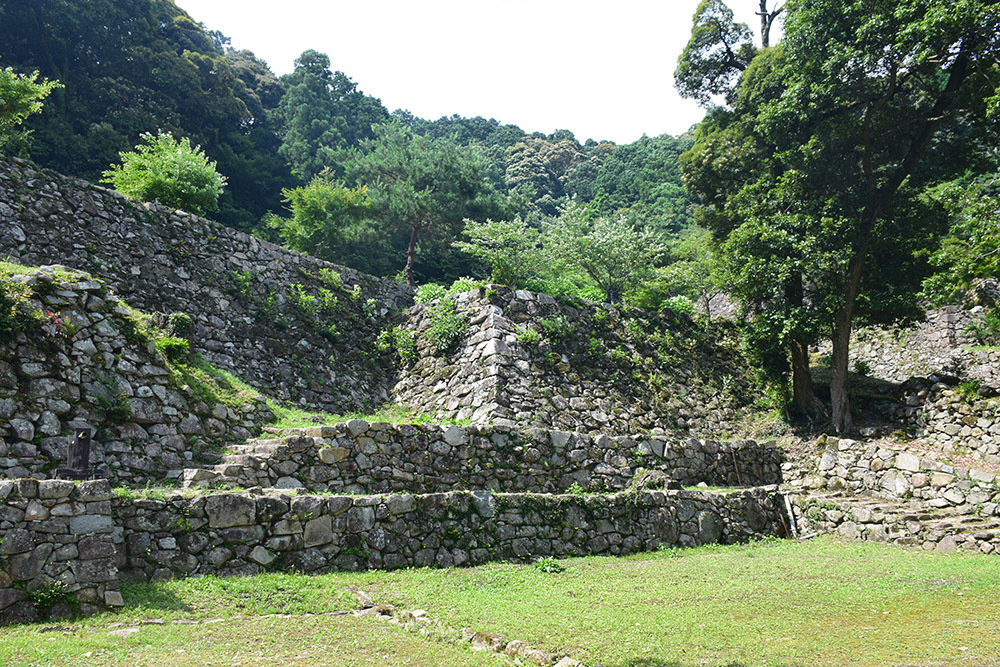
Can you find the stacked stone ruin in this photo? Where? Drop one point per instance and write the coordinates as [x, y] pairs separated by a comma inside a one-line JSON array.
[[595, 444]]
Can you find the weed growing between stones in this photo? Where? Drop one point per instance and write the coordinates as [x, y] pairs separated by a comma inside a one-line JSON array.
[[448, 324]]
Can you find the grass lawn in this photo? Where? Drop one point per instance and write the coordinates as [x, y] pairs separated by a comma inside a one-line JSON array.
[[821, 602]]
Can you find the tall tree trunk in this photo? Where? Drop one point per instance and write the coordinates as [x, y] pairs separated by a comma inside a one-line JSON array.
[[411, 251], [766, 21], [840, 402], [803, 396]]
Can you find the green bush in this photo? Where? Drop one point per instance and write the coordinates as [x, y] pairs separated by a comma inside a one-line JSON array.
[[173, 348], [178, 324], [448, 323], [16, 314], [986, 331], [171, 172], [527, 335], [556, 328], [679, 304], [429, 292], [399, 339]]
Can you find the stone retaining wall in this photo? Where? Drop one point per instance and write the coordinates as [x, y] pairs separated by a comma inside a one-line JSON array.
[[530, 360], [899, 473], [952, 422], [56, 549], [914, 525], [230, 533], [937, 346], [237, 289], [85, 366], [359, 457]]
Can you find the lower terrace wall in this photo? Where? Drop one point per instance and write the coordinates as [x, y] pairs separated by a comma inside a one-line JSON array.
[[900, 473], [243, 533], [86, 367], [64, 545], [56, 549], [361, 457]]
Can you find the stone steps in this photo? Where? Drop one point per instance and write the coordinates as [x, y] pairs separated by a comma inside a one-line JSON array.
[[911, 522]]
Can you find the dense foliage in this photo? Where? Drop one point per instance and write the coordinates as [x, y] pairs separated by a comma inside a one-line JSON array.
[[168, 171], [816, 179], [21, 95]]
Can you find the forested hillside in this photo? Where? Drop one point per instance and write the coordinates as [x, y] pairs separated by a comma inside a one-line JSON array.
[[146, 66], [845, 173]]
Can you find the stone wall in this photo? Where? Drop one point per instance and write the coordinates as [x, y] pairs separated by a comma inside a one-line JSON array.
[[359, 457], [529, 360], [85, 365], [230, 533], [936, 346], [897, 472], [248, 317], [949, 421], [57, 555]]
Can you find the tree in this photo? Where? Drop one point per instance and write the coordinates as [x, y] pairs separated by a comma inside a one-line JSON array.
[[419, 186], [328, 220], [718, 51], [615, 254], [170, 172], [971, 250], [816, 178], [135, 66], [321, 113], [20, 96], [508, 247]]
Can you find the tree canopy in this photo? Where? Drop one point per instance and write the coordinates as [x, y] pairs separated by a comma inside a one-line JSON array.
[[815, 180]]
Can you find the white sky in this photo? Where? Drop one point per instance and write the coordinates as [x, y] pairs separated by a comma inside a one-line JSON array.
[[600, 69]]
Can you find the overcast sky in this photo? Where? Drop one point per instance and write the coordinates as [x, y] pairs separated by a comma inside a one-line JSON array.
[[600, 69]]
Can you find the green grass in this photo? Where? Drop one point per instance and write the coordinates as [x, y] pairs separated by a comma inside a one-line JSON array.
[[290, 417], [8, 269], [210, 384], [821, 602]]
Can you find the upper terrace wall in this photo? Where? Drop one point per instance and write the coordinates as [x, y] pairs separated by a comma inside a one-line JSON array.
[[234, 286]]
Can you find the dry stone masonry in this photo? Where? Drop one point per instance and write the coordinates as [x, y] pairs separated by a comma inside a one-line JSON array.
[[87, 367], [57, 552], [247, 316], [528, 360], [361, 457], [246, 533]]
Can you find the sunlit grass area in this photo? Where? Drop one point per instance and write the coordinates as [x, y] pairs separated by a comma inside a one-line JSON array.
[[821, 602]]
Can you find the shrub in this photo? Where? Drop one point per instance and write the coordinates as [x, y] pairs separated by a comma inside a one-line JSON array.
[[16, 314], [557, 327], [679, 304], [528, 336], [448, 323], [173, 348], [170, 172], [178, 324], [986, 331], [399, 339], [429, 292]]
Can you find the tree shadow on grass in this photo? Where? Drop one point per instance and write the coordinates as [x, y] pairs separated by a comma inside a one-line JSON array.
[[141, 596]]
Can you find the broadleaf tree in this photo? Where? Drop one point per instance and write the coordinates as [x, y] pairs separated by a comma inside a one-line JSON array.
[[817, 178], [21, 95]]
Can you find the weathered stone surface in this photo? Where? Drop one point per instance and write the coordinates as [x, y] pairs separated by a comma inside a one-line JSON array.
[[225, 510]]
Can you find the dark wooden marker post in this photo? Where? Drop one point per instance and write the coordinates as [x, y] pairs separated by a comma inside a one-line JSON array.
[[79, 456]]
